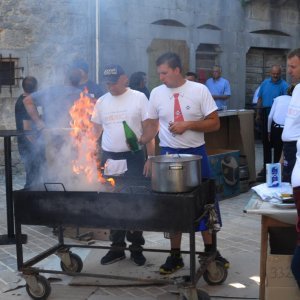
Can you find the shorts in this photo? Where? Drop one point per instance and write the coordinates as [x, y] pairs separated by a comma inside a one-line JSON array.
[[205, 173]]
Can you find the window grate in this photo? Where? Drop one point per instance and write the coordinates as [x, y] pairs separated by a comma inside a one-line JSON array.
[[10, 73]]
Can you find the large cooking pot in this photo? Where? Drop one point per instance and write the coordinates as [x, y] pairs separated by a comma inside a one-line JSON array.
[[175, 173]]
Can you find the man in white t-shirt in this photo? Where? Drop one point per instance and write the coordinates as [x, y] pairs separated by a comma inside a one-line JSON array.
[[122, 104], [291, 149], [181, 131], [276, 120], [291, 131]]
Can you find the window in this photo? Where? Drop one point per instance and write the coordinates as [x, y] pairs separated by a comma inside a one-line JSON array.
[[7, 73], [10, 73]]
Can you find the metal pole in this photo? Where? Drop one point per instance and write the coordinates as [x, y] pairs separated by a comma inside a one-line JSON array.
[[8, 182], [97, 57]]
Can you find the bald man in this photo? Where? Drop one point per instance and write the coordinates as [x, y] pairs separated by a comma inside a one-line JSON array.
[[270, 88]]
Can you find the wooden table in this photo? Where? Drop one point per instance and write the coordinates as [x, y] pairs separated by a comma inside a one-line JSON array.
[[270, 217], [266, 223]]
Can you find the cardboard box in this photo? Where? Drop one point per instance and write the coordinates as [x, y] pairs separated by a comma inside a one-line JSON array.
[[280, 282], [224, 164], [282, 293], [278, 272]]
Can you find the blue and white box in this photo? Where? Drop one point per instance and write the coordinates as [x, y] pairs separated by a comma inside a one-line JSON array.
[[273, 174]]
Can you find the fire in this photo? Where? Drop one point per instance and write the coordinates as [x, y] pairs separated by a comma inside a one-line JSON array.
[[85, 142]]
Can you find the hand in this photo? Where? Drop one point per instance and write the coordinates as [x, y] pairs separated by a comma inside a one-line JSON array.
[[141, 141], [177, 127], [147, 168], [40, 125]]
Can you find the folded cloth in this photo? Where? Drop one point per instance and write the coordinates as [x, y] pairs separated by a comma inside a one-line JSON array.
[[266, 193], [115, 167]]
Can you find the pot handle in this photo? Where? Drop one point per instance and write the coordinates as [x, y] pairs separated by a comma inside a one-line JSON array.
[[176, 167]]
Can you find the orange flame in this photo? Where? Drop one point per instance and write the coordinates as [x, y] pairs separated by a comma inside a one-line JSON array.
[[85, 141]]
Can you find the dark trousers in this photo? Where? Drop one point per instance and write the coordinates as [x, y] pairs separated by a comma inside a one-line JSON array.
[[289, 160], [135, 165], [267, 149], [295, 265], [276, 141], [32, 157]]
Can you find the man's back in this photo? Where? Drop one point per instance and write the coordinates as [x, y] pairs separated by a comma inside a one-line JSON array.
[[56, 103]]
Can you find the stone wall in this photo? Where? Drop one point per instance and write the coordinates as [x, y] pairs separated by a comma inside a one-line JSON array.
[[44, 36], [128, 28]]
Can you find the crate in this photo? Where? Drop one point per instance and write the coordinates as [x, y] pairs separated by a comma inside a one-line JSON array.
[[224, 165]]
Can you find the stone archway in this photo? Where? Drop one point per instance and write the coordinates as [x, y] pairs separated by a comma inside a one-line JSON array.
[[258, 64], [160, 46]]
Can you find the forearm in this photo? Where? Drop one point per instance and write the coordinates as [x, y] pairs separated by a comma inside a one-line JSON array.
[[97, 130], [258, 107], [209, 124], [206, 125], [150, 130], [151, 148]]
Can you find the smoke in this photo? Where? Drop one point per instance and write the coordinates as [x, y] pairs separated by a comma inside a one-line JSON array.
[[60, 154]]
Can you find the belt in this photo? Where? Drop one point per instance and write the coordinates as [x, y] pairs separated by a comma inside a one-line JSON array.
[[277, 125], [290, 143]]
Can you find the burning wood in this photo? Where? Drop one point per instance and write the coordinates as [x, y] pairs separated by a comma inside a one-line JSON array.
[[85, 142]]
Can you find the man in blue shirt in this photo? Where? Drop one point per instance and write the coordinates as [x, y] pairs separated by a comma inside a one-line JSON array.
[[270, 88], [219, 87]]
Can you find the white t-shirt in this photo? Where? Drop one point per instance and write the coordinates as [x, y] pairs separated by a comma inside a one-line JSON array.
[[279, 110], [291, 131], [295, 179], [111, 110], [196, 103]]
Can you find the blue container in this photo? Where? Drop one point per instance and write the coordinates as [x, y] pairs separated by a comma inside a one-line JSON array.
[[224, 165]]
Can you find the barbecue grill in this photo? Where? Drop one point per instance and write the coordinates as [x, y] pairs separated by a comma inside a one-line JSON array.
[[112, 209]]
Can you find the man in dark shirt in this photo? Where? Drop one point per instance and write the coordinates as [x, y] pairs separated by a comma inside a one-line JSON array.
[[138, 82], [56, 102], [92, 88], [30, 151]]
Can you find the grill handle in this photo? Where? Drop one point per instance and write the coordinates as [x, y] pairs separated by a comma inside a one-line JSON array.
[[48, 184]]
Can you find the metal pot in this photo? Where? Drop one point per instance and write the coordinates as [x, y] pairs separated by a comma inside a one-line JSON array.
[[175, 173]]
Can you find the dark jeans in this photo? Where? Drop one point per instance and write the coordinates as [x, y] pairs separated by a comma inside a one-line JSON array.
[[276, 141], [135, 165], [295, 265], [267, 149], [32, 157], [289, 157]]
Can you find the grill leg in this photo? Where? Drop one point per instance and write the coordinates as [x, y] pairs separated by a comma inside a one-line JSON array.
[[192, 256]]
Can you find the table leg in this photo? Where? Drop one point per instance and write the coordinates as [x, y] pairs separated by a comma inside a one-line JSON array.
[[10, 237], [263, 257]]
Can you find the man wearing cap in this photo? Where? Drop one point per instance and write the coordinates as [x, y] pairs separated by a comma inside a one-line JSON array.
[[122, 104], [92, 88]]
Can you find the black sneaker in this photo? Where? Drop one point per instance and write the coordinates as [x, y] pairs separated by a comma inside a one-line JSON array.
[[138, 258], [112, 257], [172, 264]]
